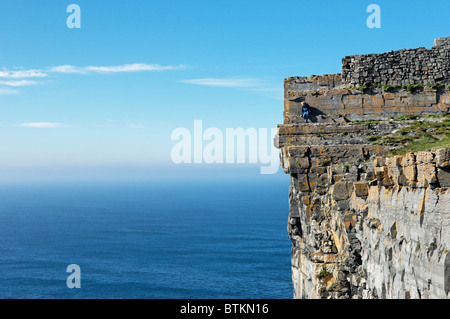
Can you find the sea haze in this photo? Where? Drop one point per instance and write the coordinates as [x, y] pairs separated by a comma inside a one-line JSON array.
[[212, 239]]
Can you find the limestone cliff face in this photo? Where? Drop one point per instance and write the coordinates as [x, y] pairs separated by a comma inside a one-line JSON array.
[[362, 224], [376, 230]]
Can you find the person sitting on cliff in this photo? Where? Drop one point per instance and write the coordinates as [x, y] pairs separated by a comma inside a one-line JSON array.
[[306, 110]]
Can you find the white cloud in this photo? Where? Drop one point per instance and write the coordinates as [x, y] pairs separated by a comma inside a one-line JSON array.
[[20, 74], [13, 78], [17, 83], [227, 82], [136, 67], [247, 84], [66, 69], [41, 73], [42, 125]]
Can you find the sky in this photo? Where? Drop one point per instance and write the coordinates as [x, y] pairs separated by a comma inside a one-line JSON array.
[[102, 101]]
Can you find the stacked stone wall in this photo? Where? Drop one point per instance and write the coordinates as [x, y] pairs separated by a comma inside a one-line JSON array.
[[402, 67]]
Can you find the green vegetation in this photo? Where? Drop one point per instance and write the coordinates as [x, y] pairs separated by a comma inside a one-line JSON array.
[[429, 116], [390, 88], [420, 135], [394, 234], [414, 87], [373, 138], [366, 87], [363, 88], [437, 85], [407, 117], [324, 273], [422, 145]]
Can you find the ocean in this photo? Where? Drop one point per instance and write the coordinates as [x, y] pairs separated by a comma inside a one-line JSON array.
[[146, 240]]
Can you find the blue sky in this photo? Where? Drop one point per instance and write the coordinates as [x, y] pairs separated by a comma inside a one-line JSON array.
[[102, 101]]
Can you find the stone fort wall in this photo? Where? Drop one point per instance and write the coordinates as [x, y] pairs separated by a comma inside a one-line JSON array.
[[403, 67]]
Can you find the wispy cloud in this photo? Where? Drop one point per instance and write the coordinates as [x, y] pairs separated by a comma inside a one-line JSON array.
[[42, 73], [21, 74], [41, 125], [17, 83], [226, 82], [19, 77], [66, 69], [247, 84], [136, 67]]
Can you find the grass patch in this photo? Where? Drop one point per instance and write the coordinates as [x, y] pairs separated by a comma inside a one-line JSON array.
[[422, 145], [363, 88], [419, 136], [431, 116], [391, 88], [414, 87], [437, 85], [407, 117], [373, 138], [367, 122]]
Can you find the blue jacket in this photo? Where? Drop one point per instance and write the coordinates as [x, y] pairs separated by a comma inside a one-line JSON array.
[[305, 108]]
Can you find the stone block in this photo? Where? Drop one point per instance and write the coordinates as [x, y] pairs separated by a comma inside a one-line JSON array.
[[379, 162], [424, 157], [443, 176], [361, 189], [394, 169], [443, 157], [409, 159], [303, 183], [303, 162], [380, 172], [426, 175], [342, 190]]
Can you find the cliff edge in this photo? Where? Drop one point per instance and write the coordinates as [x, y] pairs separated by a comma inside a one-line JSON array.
[[369, 196]]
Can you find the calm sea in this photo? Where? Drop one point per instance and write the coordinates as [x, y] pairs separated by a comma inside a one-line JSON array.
[[146, 240]]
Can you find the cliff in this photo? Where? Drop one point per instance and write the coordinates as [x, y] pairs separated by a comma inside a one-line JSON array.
[[369, 196]]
